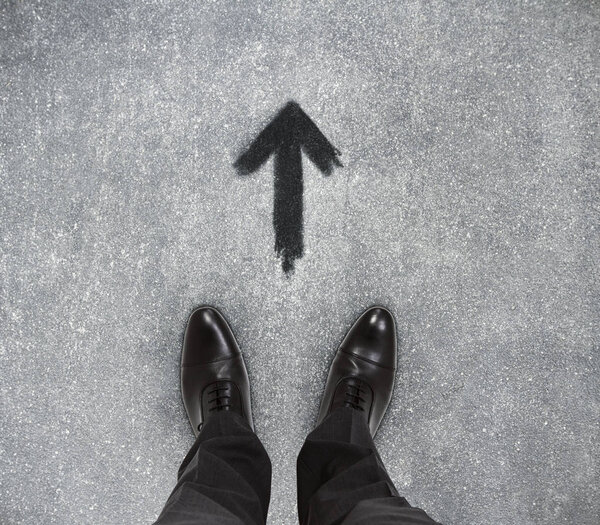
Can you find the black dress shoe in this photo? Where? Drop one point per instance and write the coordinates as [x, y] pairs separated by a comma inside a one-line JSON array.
[[213, 374], [363, 369]]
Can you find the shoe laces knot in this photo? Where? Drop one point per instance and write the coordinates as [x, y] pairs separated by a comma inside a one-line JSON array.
[[219, 398], [353, 396]]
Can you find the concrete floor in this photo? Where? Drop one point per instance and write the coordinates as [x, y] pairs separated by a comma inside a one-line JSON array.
[[468, 204]]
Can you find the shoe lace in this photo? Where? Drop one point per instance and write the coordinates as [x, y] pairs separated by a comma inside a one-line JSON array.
[[219, 398], [353, 396]]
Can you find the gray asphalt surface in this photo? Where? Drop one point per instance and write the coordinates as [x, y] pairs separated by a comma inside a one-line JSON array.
[[468, 204]]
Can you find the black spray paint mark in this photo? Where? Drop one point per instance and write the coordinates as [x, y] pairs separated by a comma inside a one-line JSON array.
[[289, 133]]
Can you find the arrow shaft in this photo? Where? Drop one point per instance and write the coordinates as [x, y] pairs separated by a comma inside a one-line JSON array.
[[288, 204]]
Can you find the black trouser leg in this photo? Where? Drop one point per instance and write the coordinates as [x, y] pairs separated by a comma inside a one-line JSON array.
[[225, 479], [341, 478]]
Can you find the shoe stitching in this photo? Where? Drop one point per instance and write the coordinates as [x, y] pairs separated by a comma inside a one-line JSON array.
[[210, 362], [367, 360]]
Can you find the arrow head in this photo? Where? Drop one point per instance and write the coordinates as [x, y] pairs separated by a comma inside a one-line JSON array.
[[291, 125]]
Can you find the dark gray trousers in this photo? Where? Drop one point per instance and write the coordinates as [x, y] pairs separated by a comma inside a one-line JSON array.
[[225, 479]]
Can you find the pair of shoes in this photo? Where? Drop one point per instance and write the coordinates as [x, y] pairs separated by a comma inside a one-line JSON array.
[[214, 376]]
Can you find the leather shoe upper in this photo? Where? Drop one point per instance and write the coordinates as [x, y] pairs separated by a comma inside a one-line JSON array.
[[363, 370], [213, 373]]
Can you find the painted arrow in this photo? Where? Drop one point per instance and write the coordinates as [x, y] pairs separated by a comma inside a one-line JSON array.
[[289, 133]]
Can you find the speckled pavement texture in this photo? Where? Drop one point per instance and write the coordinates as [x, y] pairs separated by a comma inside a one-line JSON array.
[[468, 204]]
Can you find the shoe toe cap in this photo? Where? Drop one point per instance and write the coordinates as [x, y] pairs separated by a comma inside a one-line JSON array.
[[208, 338], [373, 337]]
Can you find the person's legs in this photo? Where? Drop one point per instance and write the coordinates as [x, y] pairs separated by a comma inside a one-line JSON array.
[[225, 479], [341, 478]]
